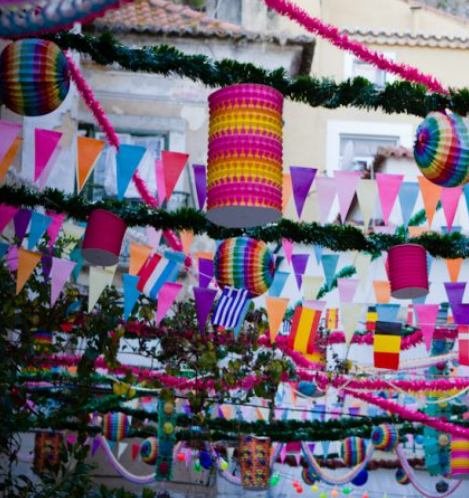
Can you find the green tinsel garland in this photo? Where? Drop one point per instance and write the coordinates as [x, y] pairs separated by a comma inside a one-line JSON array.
[[397, 97]]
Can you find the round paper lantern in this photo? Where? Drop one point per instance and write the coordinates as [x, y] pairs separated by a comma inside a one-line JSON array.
[[149, 450], [459, 457], [34, 77], [309, 476], [361, 478], [205, 459], [244, 263], [385, 437], [274, 479], [402, 477], [168, 428], [408, 273], [245, 152], [441, 486], [115, 426], [307, 388], [168, 407], [103, 238], [441, 149], [353, 451], [197, 467]]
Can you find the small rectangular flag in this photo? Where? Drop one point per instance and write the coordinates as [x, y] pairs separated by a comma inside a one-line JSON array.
[[387, 345], [371, 319], [303, 331], [463, 336], [229, 307], [332, 318], [157, 270]]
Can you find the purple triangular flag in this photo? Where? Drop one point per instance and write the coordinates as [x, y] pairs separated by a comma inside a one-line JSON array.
[[204, 298], [22, 218], [95, 445], [301, 179], [455, 292], [59, 274], [299, 262], [200, 180], [205, 271], [46, 262]]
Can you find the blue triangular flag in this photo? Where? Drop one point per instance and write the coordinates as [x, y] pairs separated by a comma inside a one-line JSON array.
[[466, 194], [39, 224], [242, 316], [76, 256], [387, 312], [454, 229], [318, 252], [280, 277], [131, 293], [407, 197], [329, 264], [3, 249], [128, 157], [325, 448]]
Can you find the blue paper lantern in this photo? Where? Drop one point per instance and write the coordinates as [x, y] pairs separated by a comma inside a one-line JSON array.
[[361, 478], [205, 459], [307, 388]]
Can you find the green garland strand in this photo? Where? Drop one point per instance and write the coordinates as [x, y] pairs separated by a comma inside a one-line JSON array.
[[338, 238], [397, 97]]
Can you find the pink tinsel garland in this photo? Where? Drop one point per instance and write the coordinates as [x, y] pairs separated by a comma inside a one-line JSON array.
[[342, 41]]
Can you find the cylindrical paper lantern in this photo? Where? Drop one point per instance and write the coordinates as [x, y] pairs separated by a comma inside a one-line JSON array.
[[441, 149], [385, 437], [402, 477], [244, 263], [353, 451], [254, 457], [408, 273], [115, 426], [149, 450], [245, 152], [459, 457], [103, 238], [34, 77]]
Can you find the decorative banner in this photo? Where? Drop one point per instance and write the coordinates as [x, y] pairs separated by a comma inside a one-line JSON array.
[[203, 304], [299, 263], [9, 157], [311, 286], [304, 327], [276, 307], [329, 265], [99, 278], [254, 460], [366, 194], [407, 199], [12, 258], [166, 297], [27, 262], [39, 224], [131, 293], [7, 213], [160, 183], [372, 318], [450, 200], [387, 345], [128, 158], [200, 181], [166, 439], [388, 190], [187, 237], [286, 191], [88, 151], [173, 164], [346, 184], [426, 315], [45, 146], [206, 271], [347, 289], [318, 250], [455, 293], [301, 179], [387, 312], [326, 191], [431, 193], [60, 272], [350, 315], [332, 319], [230, 307], [8, 134], [22, 219], [278, 283], [463, 337], [382, 290], [362, 265], [454, 268], [54, 227], [287, 246], [139, 253]]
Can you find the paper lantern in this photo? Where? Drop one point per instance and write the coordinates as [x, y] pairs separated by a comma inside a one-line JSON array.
[[103, 238], [47, 451], [115, 426], [353, 451], [254, 458], [34, 77], [205, 459], [244, 171], [149, 450], [441, 486], [408, 273], [459, 457], [244, 263], [307, 388], [385, 437], [309, 476], [402, 477], [361, 478], [441, 149]]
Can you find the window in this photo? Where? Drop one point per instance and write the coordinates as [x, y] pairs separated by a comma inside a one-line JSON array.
[[355, 67]]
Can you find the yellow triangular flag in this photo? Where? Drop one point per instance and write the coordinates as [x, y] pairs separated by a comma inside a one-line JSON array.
[[276, 307], [367, 194], [99, 278], [9, 157], [138, 255], [74, 231], [454, 268], [27, 261], [311, 286], [187, 237], [88, 150], [350, 314]]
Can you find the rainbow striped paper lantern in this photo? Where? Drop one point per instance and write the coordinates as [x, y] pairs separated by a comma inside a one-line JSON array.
[[34, 77], [115, 426], [459, 457], [385, 437], [244, 263], [353, 451], [401, 477], [245, 153], [441, 149], [408, 274], [149, 450]]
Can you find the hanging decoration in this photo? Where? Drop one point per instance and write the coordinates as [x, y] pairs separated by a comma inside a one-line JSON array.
[[401, 477], [387, 345], [459, 457], [115, 426], [254, 462], [353, 451], [149, 450], [166, 438], [47, 451], [408, 274], [385, 437]]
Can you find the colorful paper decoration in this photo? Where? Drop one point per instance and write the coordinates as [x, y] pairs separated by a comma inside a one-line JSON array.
[[88, 151], [431, 194], [329, 265], [131, 293], [454, 268], [332, 319], [59, 274], [388, 190], [353, 451], [103, 238], [244, 172], [367, 193], [206, 271], [139, 253], [204, 298], [254, 460], [401, 477], [301, 179], [408, 273], [166, 439], [463, 339], [346, 184], [278, 283], [387, 345], [115, 426], [371, 319], [46, 143], [166, 297], [43, 340], [408, 194], [9, 132], [287, 191], [449, 201], [200, 181], [459, 458], [149, 450], [441, 149], [276, 308], [27, 262], [326, 191], [230, 308], [382, 290], [299, 263], [385, 437], [99, 278], [244, 263], [47, 451], [426, 319], [302, 338], [7, 213], [347, 289], [128, 158], [39, 224], [173, 163]]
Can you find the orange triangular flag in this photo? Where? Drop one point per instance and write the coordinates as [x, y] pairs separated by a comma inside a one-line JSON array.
[[431, 194], [204, 255], [88, 150], [286, 190], [276, 307], [173, 163], [138, 255], [415, 232], [9, 157], [382, 291], [187, 237], [454, 267], [27, 261]]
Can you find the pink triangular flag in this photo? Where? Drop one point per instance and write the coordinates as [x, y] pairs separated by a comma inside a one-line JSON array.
[[426, 315], [173, 164], [6, 215], [55, 225], [326, 190], [287, 249], [301, 179], [12, 258], [60, 272], [160, 183], [283, 453], [8, 133], [388, 190], [45, 144], [449, 200], [347, 288], [166, 298], [346, 184]]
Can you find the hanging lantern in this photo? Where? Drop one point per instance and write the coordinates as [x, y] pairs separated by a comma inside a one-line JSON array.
[[401, 477], [459, 457], [255, 462], [441, 149], [244, 172], [353, 451], [149, 450], [408, 274], [361, 478], [47, 451], [385, 437], [34, 77], [115, 426], [309, 476], [244, 263], [103, 238]]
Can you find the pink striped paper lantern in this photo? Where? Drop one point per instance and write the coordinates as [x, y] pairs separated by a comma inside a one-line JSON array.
[[408, 274], [245, 153], [459, 457], [103, 238]]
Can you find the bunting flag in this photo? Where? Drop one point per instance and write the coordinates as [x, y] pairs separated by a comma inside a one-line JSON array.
[[204, 299], [276, 308], [299, 263], [301, 179], [455, 293], [346, 184], [415, 231], [431, 193], [55, 225], [367, 193], [27, 262], [426, 315], [166, 297], [387, 345], [138, 254], [173, 164], [449, 201], [286, 191], [128, 158], [99, 278], [278, 283], [329, 265], [206, 271], [362, 265], [326, 192], [350, 315], [407, 198], [21, 220], [332, 319], [9, 132], [388, 190], [200, 182], [311, 286], [60, 272], [88, 151], [347, 289], [187, 237], [229, 307], [318, 250], [454, 268], [39, 224], [45, 147], [74, 233], [388, 312], [302, 338], [153, 236], [382, 290], [371, 319], [131, 293], [463, 338], [12, 258], [7, 213], [7, 160], [287, 246], [160, 182]]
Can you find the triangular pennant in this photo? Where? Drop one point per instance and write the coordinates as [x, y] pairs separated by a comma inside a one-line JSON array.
[[9, 132], [382, 290], [173, 164], [60, 272], [9, 157], [450, 200], [53, 229], [286, 191], [431, 193], [131, 293], [346, 184], [362, 266], [88, 151], [329, 265], [283, 453], [326, 191], [7, 213], [301, 179], [387, 312], [46, 142], [135, 450], [128, 158], [22, 219], [200, 181], [204, 298], [153, 236], [311, 286], [350, 315], [426, 315], [278, 283], [325, 448], [166, 297], [366, 195], [388, 190], [138, 255], [299, 263], [318, 250], [12, 258], [121, 447], [187, 237], [160, 184], [347, 289], [99, 278], [407, 198], [39, 224], [276, 307], [206, 271], [287, 246], [27, 262], [95, 445], [454, 268]]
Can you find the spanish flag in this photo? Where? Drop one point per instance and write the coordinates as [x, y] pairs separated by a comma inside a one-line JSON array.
[[387, 345], [303, 331]]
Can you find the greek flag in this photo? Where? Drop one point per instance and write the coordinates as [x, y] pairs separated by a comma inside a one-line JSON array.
[[229, 308]]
